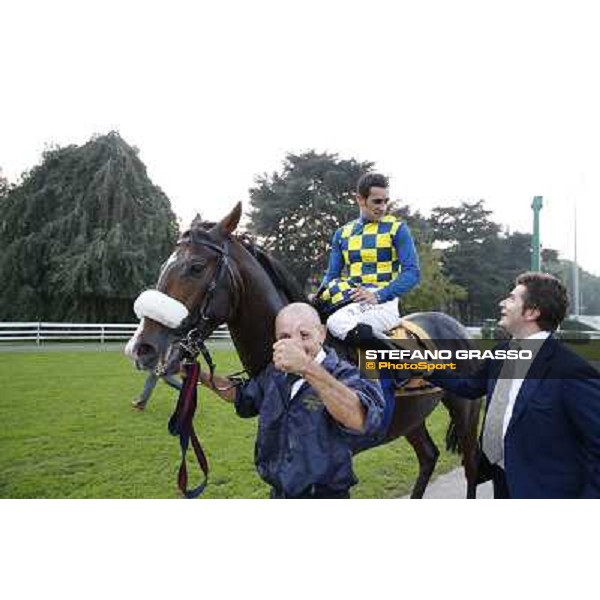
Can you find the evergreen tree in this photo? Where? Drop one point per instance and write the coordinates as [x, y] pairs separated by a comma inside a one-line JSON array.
[[589, 284], [296, 212], [477, 256], [4, 186], [436, 291], [82, 235]]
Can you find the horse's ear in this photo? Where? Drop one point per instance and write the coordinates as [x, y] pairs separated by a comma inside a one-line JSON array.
[[230, 222]]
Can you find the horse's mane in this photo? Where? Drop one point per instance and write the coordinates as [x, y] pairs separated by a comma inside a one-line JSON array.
[[284, 281], [281, 278]]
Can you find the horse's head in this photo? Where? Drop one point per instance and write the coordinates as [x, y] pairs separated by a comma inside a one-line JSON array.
[[196, 290]]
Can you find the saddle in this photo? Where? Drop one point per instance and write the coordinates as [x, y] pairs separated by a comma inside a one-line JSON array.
[[410, 336]]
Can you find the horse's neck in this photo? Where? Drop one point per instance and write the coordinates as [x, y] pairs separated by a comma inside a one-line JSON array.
[[252, 328]]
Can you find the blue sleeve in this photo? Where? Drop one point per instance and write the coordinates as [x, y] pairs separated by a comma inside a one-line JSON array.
[[370, 396], [248, 398], [468, 386], [410, 273], [581, 399], [336, 259]]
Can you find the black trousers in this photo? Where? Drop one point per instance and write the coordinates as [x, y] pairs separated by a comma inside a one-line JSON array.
[[313, 492], [500, 484], [487, 471]]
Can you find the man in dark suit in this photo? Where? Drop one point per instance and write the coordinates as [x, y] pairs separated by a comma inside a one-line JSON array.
[[541, 433]]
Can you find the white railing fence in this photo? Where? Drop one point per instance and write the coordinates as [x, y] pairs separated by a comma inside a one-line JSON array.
[[38, 332]]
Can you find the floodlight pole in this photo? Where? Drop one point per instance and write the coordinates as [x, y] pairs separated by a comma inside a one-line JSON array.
[[535, 240], [576, 299]]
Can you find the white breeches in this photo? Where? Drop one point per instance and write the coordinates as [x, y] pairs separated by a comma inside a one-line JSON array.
[[381, 317]]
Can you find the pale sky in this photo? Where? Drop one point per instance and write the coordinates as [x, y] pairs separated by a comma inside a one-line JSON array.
[[453, 100]]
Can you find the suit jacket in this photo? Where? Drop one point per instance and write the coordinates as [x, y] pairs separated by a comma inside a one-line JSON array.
[[552, 443]]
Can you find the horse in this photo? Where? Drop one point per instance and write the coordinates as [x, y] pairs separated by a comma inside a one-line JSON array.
[[215, 276]]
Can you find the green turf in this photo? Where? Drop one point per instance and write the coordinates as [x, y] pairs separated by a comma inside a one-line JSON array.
[[68, 431]]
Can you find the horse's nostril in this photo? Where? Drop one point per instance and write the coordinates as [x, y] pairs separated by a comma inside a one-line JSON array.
[[146, 356], [145, 350]]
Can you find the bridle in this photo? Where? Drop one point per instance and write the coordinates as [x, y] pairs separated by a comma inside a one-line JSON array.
[[190, 329], [200, 323], [196, 328]]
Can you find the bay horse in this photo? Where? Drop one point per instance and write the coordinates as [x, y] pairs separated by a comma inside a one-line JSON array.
[[215, 277]]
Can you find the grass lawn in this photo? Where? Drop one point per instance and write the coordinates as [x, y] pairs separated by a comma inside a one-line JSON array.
[[68, 431]]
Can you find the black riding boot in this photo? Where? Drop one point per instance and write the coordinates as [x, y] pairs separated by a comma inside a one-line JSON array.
[[363, 337]]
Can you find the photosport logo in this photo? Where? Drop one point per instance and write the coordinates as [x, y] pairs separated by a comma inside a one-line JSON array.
[[413, 361]]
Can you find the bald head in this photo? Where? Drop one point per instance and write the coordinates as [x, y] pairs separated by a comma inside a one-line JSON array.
[[299, 311], [301, 322]]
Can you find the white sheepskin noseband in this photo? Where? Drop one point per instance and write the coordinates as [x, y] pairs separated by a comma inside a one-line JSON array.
[[128, 350], [161, 308]]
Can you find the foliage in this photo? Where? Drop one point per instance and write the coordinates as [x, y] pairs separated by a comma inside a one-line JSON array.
[[4, 186], [297, 211], [477, 256], [83, 233], [485, 261], [436, 291], [85, 441], [589, 284]]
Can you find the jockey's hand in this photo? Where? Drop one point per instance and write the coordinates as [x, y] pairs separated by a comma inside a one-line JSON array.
[[363, 295], [289, 356]]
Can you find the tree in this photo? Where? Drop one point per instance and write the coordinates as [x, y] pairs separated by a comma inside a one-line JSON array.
[[436, 291], [589, 284], [4, 186], [297, 211], [468, 223], [478, 256], [550, 260], [83, 233]]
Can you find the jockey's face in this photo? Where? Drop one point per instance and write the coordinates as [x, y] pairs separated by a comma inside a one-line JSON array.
[[374, 206]]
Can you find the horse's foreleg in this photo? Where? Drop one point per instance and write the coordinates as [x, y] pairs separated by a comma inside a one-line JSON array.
[[427, 455]]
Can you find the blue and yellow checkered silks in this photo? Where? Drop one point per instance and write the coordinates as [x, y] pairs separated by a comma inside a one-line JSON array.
[[370, 258], [337, 291]]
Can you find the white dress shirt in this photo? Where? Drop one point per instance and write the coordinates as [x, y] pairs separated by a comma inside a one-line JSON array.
[[516, 387]]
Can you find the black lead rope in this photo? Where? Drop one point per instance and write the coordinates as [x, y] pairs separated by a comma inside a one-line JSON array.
[[181, 424]]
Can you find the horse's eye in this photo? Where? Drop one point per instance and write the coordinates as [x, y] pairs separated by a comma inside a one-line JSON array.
[[196, 268]]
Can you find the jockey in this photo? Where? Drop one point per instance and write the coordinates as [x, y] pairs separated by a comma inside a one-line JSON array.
[[378, 255]]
